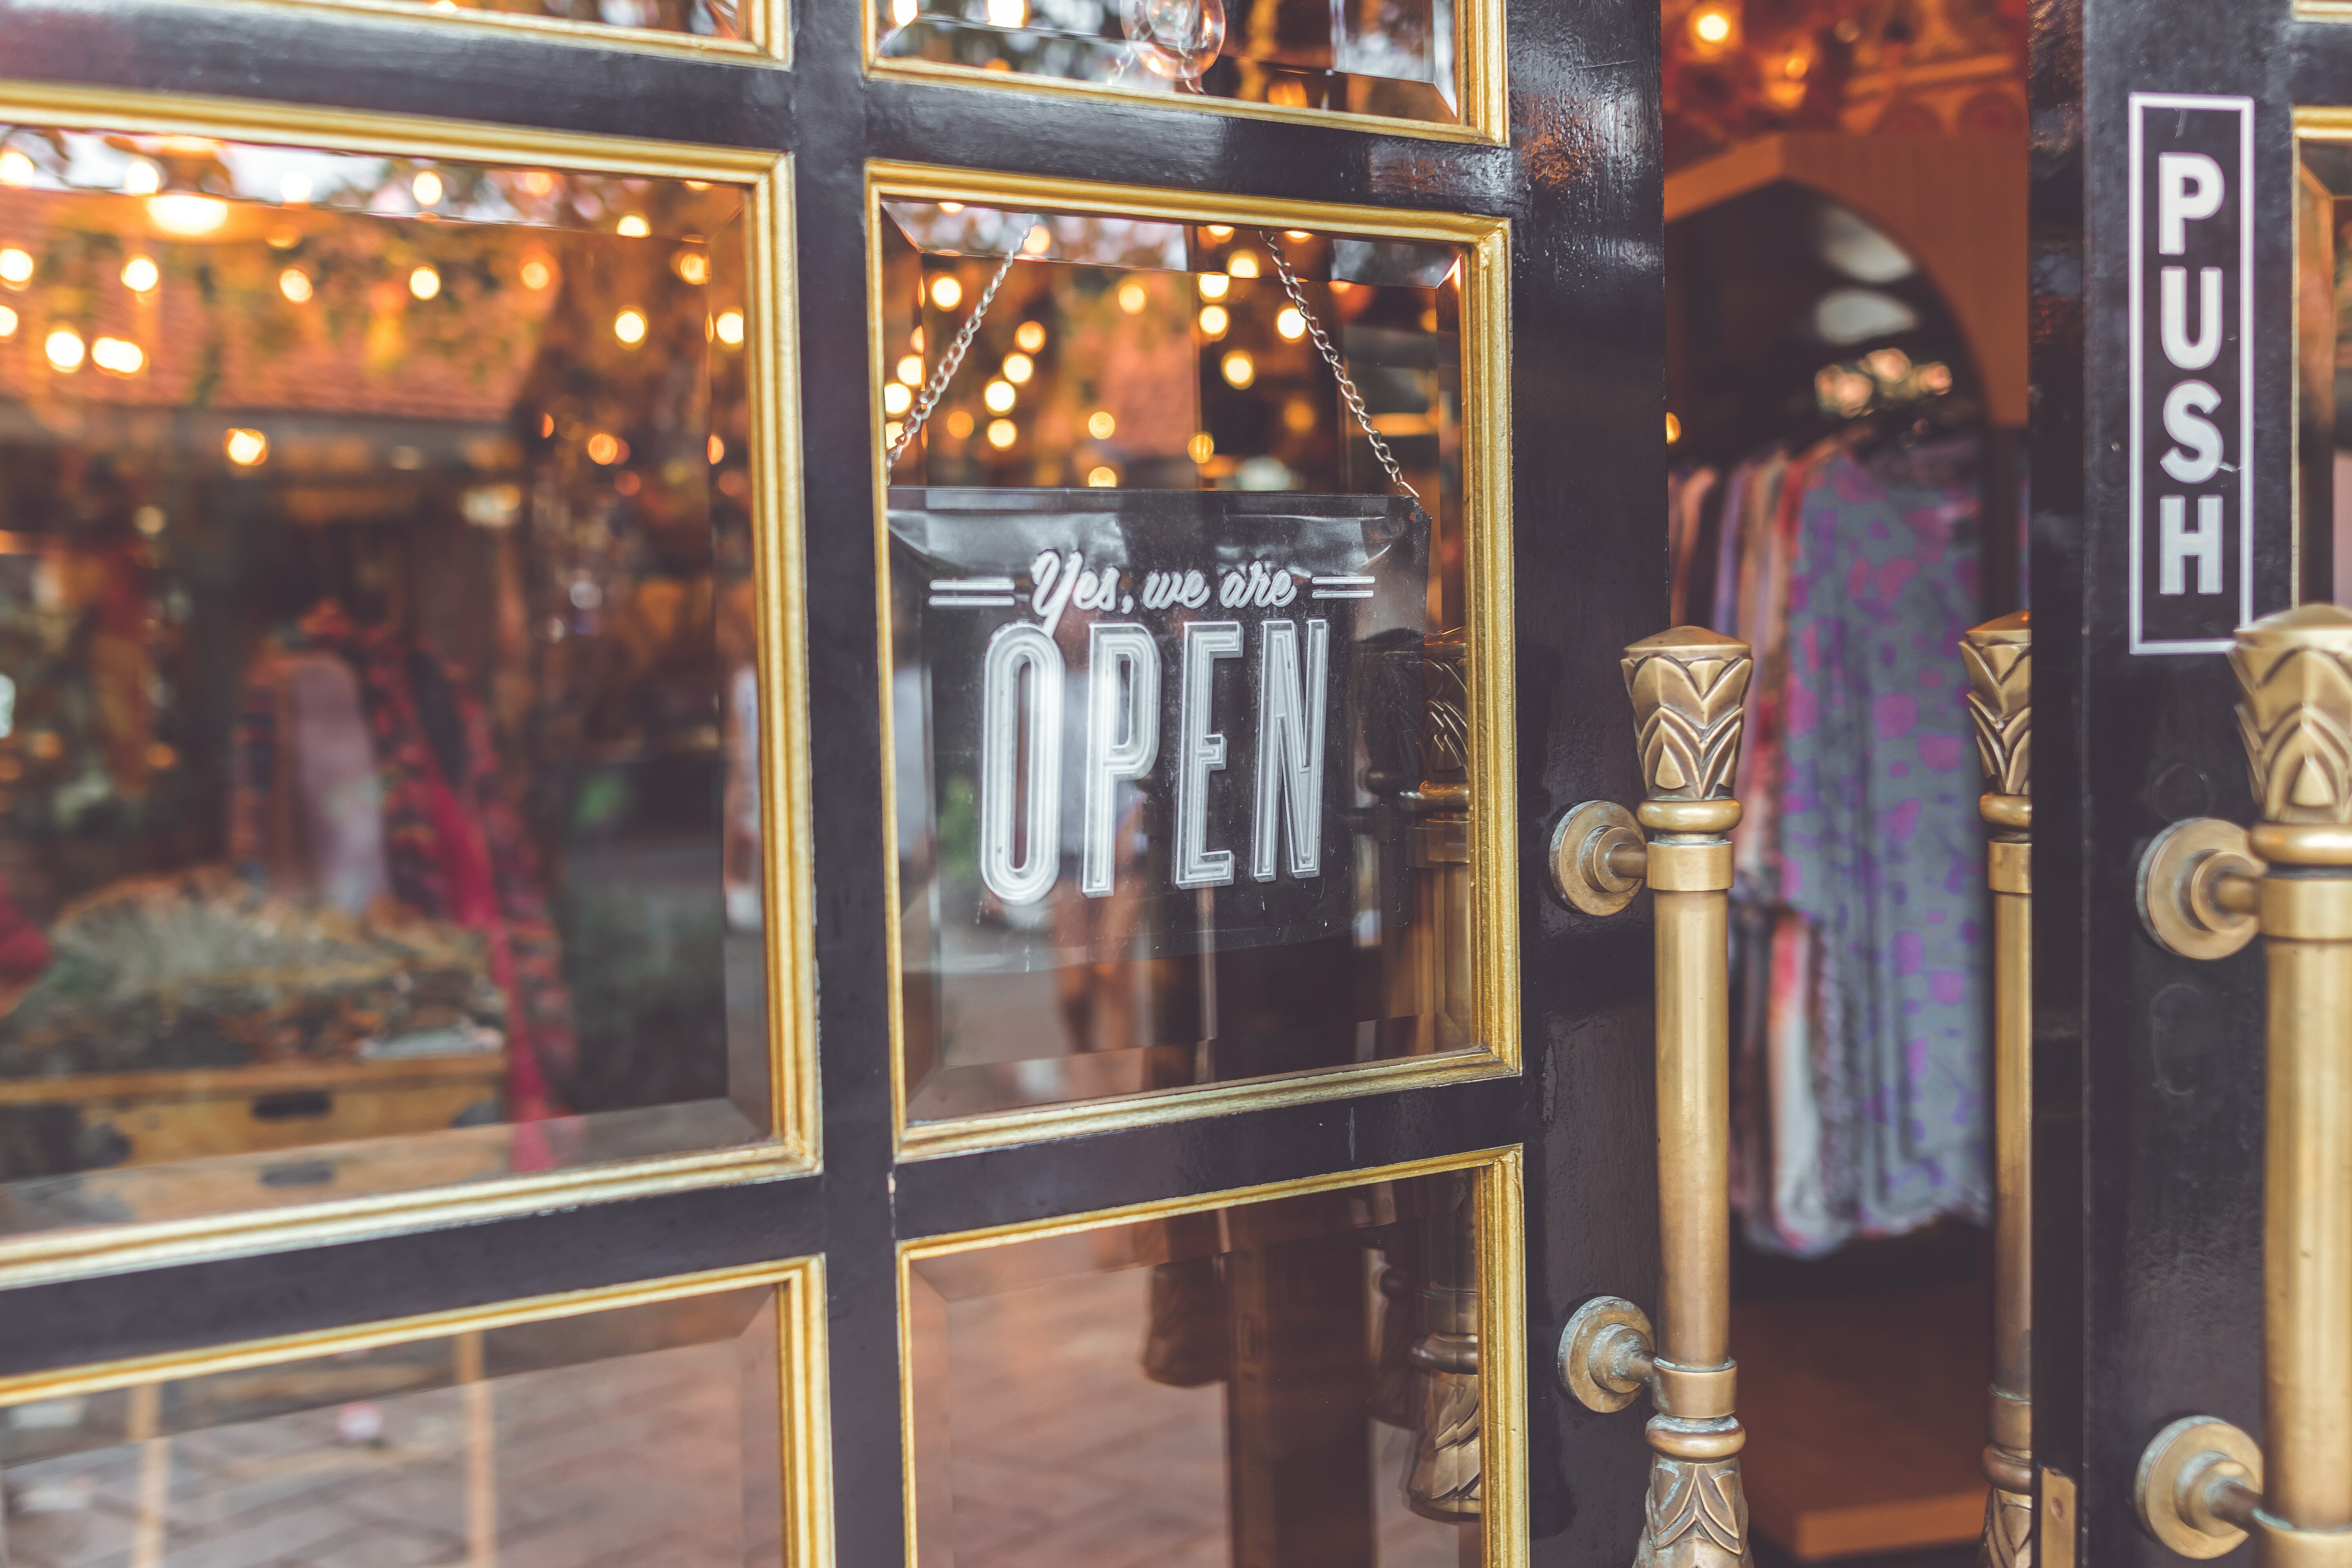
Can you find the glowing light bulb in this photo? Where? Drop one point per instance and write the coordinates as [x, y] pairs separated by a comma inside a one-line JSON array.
[[1290, 324], [64, 347], [16, 168], [1298, 234], [1242, 265], [118, 355], [16, 265], [1019, 368], [1215, 320], [537, 275], [1102, 478], [245, 447], [903, 13], [1673, 429], [910, 370], [604, 448], [1213, 285], [1221, 231], [1001, 434], [1201, 446], [634, 226], [896, 397], [1132, 298], [998, 395], [424, 282], [185, 214], [946, 292], [7, 323], [1101, 426], [142, 178], [140, 274], [1239, 369], [295, 189], [691, 266], [730, 327], [960, 424], [717, 448], [1711, 24], [426, 188], [1008, 14], [295, 284], [1031, 336], [629, 326]]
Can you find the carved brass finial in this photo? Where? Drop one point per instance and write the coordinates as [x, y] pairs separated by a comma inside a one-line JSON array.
[[1687, 687], [2295, 716], [2000, 659]]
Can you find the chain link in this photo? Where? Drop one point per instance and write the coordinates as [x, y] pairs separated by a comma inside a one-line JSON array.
[[952, 361], [1339, 369]]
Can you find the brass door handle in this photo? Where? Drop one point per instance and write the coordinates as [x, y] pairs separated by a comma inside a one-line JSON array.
[[1687, 687], [2000, 659], [2206, 888]]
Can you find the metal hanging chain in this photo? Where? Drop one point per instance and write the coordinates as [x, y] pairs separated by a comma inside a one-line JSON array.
[[1338, 368], [952, 361]]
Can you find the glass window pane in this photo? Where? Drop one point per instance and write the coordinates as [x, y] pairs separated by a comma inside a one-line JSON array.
[[377, 684], [649, 1433], [1392, 58], [1179, 684], [688, 19], [1291, 1381]]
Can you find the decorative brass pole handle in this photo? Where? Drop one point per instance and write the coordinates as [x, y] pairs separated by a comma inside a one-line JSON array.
[[1687, 687], [2205, 889], [2000, 659]]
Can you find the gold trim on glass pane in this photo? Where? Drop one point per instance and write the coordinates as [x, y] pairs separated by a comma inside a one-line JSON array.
[[801, 1365], [1500, 1206], [1480, 65], [772, 372], [769, 38], [1486, 576]]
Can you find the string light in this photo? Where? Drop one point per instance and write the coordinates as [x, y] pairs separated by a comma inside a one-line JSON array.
[[187, 215], [1673, 429], [629, 326], [717, 448], [1019, 368], [692, 265], [604, 449], [730, 327], [910, 370], [998, 396], [633, 225], [903, 13], [295, 284], [64, 347], [245, 447], [1213, 285], [1008, 14], [1201, 446], [7, 323], [425, 282], [1031, 336], [1242, 265], [1132, 298], [896, 397], [537, 275], [294, 189], [1101, 426], [946, 292], [16, 265], [142, 178], [16, 168], [1102, 478], [427, 189], [118, 355], [1001, 434], [140, 274], [1221, 231], [1290, 324], [960, 425], [1239, 369], [1297, 234], [1213, 321]]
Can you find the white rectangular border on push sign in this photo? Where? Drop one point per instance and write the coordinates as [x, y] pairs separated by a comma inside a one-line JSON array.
[[2192, 418]]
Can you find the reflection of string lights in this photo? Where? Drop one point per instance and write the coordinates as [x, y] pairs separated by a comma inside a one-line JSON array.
[[910, 370], [717, 448], [1290, 324], [1007, 13], [294, 189], [1019, 368], [118, 355], [1131, 297], [64, 347], [632, 226], [16, 265], [142, 178], [187, 215], [1001, 434], [425, 283], [7, 323], [1038, 240], [903, 13], [1102, 476], [691, 266], [537, 275], [245, 447], [1101, 426], [897, 398], [1031, 336], [892, 431], [140, 274], [1241, 264], [998, 395], [1201, 446], [730, 326], [1221, 231], [1213, 321], [16, 168], [960, 425], [629, 326], [946, 292], [1213, 285], [427, 189], [295, 284], [1673, 429], [604, 449], [1239, 369]]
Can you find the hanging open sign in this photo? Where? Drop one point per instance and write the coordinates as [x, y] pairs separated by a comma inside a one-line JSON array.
[[1168, 696]]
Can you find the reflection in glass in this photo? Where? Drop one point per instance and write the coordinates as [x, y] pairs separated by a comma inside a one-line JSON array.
[[376, 676], [1288, 1381], [642, 1434], [700, 18], [1393, 58], [2324, 356], [1177, 854]]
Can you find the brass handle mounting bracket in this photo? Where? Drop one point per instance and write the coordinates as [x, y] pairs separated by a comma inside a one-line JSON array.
[[1688, 687], [2206, 888]]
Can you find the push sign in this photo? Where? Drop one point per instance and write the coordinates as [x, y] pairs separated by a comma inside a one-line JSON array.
[[1162, 700], [2192, 351]]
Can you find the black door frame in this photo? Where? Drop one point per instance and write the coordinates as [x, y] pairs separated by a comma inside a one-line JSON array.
[[1580, 182]]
